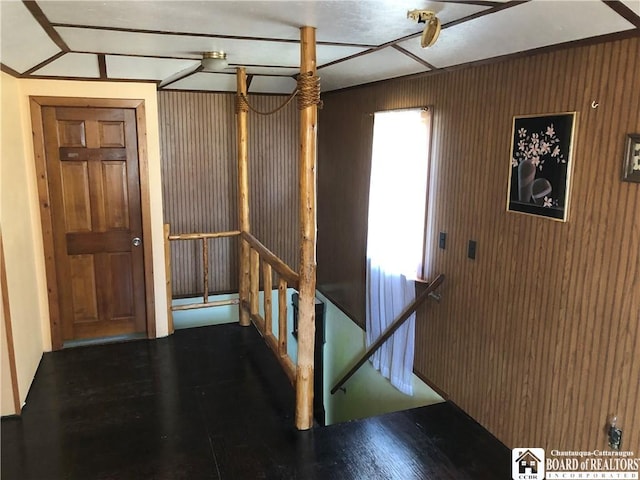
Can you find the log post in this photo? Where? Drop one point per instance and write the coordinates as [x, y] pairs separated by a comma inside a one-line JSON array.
[[205, 270], [254, 281], [167, 269], [267, 282], [243, 194], [307, 212], [282, 317]]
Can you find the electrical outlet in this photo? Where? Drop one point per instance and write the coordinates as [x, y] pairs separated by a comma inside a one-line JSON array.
[[615, 434], [615, 438]]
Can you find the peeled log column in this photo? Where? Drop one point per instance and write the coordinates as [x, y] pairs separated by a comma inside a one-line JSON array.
[[243, 193], [167, 267], [307, 284]]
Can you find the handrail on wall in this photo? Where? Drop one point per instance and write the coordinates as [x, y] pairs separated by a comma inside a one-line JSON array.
[[397, 323]]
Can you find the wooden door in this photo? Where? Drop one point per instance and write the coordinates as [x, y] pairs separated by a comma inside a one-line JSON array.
[[92, 169]]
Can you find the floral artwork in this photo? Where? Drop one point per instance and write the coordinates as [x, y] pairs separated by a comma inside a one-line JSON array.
[[631, 172], [540, 161]]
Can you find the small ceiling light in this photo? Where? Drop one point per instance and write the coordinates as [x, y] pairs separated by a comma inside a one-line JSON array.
[[214, 61], [432, 28]]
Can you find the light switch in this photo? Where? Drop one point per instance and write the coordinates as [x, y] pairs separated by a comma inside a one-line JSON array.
[[471, 251]]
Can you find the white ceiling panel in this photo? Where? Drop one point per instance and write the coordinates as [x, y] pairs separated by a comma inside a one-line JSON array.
[[633, 5], [384, 63], [24, 43], [239, 51], [346, 21], [180, 74], [528, 26], [275, 71], [264, 36], [145, 68], [214, 82], [264, 84], [72, 65]]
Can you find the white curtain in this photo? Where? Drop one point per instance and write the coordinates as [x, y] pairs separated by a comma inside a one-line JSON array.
[[395, 241]]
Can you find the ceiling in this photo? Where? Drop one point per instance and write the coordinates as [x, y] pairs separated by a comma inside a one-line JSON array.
[[358, 41]]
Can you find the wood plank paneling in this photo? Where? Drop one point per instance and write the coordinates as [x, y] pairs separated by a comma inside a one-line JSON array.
[[199, 178], [343, 193], [538, 338], [273, 177]]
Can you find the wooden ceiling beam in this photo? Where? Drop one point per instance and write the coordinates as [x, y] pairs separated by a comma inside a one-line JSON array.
[[43, 64], [9, 70], [395, 42], [624, 11], [180, 76], [414, 57], [102, 66], [502, 6], [482, 3], [46, 25], [202, 35]]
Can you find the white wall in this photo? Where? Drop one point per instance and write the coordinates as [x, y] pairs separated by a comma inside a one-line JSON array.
[[21, 236]]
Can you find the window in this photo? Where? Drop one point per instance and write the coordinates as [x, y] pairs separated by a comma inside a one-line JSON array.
[[398, 191]]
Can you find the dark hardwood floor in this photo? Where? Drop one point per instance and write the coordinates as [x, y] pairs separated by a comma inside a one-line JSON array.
[[213, 403]]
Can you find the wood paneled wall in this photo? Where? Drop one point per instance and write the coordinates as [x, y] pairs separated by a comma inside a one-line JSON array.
[[199, 181], [538, 338]]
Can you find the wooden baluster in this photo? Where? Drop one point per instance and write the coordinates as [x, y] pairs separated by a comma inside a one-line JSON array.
[[307, 212], [167, 269], [282, 317], [254, 281], [267, 280], [243, 197], [269, 257], [205, 270]]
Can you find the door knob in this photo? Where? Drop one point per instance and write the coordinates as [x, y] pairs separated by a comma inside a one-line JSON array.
[[136, 242]]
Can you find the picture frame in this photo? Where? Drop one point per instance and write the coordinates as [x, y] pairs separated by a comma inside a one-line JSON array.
[[541, 165], [631, 165]]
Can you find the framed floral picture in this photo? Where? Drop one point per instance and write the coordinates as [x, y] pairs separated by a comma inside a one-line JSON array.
[[540, 169], [631, 169]]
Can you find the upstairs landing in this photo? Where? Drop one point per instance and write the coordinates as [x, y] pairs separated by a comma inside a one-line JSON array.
[[213, 403]]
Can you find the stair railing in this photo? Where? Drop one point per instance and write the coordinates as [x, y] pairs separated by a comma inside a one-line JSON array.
[[261, 258], [204, 238]]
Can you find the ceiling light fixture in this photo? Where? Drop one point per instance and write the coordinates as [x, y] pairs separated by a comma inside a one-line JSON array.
[[214, 61], [432, 28]]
